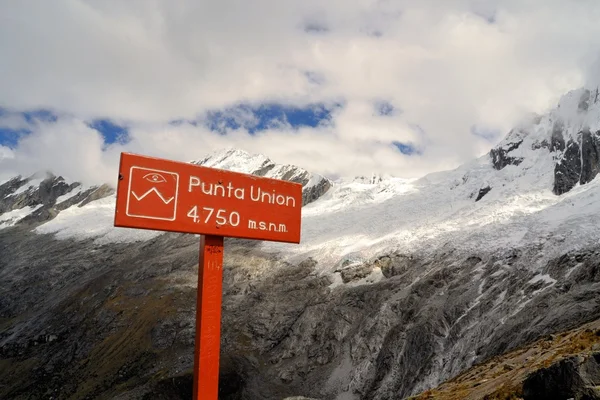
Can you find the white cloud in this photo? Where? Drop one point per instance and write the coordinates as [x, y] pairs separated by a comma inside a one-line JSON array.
[[67, 147], [442, 63], [14, 122]]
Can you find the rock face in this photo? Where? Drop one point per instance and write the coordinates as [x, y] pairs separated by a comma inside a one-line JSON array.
[[46, 195], [567, 173], [590, 156], [500, 155], [573, 378], [425, 322], [18, 192], [580, 161], [483, 192], [573, 131], [117, 320]]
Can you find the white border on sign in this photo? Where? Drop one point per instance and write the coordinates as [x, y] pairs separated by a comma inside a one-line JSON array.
[[146, 216]]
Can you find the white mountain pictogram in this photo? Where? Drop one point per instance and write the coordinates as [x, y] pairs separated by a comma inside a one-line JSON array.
[[139, 198]]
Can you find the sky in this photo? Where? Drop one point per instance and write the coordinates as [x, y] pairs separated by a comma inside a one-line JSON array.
[[339, 87]]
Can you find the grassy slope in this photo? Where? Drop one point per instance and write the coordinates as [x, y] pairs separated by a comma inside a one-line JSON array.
[[502, 377]]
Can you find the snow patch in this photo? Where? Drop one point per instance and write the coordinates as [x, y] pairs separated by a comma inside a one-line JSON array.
[[237, 161], [34, 183], [542, 278], [375, 276], [314, 180], [497, 273], [337, 280], [94, 220], [500, 298], [570, 271], [10, 218], [79, 189], [290, 172]]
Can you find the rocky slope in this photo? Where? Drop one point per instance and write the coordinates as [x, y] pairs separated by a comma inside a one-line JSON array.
[[397, 286], [556, 367]]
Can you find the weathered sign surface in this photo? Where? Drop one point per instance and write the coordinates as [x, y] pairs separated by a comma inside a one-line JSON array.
[[181, 197]]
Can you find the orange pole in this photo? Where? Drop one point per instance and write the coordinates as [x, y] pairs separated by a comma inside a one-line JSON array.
[[208, 318]]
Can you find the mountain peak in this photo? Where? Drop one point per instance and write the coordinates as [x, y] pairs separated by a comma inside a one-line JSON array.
[[569, 133], [236, 160]]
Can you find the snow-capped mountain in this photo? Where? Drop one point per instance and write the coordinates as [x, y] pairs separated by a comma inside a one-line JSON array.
[[397, 284], [314, 185], [72, 210], [570, 133], [529, 189]]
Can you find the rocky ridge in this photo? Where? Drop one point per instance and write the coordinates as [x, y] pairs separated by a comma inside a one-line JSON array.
[[315, 185], [41, 197], [571, 132]]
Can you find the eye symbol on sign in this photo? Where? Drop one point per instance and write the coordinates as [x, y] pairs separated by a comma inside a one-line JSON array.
[[154, 178]]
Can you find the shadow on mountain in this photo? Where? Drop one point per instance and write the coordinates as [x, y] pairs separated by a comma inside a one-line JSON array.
[[231, 383]]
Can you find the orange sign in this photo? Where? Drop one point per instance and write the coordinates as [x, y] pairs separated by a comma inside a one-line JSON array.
[[181, 197]]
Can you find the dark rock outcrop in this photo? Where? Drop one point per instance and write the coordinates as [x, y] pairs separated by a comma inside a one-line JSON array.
[[97, 194], [575, 378], [14, 195], [44, 197], [584, 101], [355, 272], [483, 192], [395, 264], [580, 161], [501, 158], [557, 139], [567, 170], [590, 156], [314, 192]]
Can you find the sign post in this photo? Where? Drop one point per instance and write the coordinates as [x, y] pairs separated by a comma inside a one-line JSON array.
[[208, 318], [166, 195]]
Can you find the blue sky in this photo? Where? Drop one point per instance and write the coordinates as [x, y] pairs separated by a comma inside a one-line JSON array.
[[253, 119], [9, 135], [110, 131]]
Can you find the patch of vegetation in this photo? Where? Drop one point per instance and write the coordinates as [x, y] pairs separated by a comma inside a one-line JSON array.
[[111, 350], [119, 361], [501, 378]]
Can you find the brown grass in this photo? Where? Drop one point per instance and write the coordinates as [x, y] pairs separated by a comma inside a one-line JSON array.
[[129, 346], [501, 378]]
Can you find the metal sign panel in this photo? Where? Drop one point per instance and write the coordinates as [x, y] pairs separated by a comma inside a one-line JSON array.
[[166, 195]]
